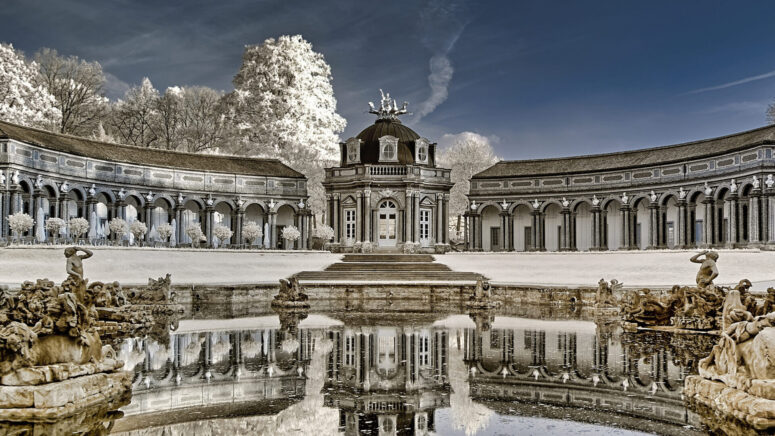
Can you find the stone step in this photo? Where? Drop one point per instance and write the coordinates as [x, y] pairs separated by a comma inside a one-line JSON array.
[[387, 266], [387, 276], [387, 258]]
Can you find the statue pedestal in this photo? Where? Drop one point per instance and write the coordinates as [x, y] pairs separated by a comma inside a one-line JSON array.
[[60, 399], [757, 412]]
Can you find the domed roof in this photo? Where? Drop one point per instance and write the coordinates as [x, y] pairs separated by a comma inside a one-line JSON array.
[[388, 124]]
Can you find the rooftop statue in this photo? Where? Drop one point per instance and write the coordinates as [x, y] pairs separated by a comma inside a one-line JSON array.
[[388, 108]]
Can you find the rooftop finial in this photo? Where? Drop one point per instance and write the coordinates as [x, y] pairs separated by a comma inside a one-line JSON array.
[[388, 108]]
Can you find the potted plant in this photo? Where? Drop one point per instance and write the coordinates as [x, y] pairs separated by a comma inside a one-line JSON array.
[[223, 233], [78, 227], [291, 234], [320, 235], [20, 223], [138, 229], [194, 232], [55, 225], [118, 228], [165, 231], [251, 231]]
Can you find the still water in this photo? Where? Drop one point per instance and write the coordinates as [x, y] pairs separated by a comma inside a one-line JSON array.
[[383, 372]]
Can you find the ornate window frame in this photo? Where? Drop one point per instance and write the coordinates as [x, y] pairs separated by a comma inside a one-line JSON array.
[[421, 151], [353, 151], [387, 144]]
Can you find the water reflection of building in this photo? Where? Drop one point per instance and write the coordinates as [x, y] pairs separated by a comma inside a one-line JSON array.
[[576, 365], [387, 380]]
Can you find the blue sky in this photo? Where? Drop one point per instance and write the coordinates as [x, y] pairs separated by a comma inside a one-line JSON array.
[[541, 78]]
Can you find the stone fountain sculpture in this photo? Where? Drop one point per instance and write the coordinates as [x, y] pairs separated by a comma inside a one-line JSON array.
[[482, 297], [291, 295], [52, 360], [684, 307], [738, 377]]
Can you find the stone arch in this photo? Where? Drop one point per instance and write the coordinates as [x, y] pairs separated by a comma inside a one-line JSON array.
[[552, 227], [723, 187], [377, 200], [583, 222], [260, 204], [667, 195], [288, 203], [167, 198], [487, 204], [604, 202], [521, 215], [491, 226], [669, 220], [107, 193], [611, 233], [548, 202], [579, 201], [286, 216], [641, 220], [137, 195], [223, 214], [514, 205]]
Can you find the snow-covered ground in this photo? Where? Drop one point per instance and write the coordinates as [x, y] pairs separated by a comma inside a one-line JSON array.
[[135, 265], [633, 268]]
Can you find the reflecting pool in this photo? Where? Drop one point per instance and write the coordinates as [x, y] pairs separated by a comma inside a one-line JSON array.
[[400, 372]]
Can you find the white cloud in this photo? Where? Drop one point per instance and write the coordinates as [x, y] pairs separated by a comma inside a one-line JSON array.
[[447, 139], [438, 79], [742, 81]]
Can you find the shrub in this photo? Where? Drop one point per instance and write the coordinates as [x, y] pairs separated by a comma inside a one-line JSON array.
[[118, 227], [291, 233], [323, 232], [222, 233], [165, 231], [55, 225], [251, 231], [138, 229], [78, 226], [20, 223], [194, 232]]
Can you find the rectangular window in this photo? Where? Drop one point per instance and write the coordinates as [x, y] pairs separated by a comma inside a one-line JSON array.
[[425, 349], [349, 351], [349, 224]]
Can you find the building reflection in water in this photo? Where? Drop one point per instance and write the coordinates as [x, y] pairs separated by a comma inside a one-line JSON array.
[[391, 378]]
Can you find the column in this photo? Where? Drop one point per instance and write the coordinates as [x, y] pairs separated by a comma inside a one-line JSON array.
[[238, 224], [769, 220], [273, 221], [367, 213], [416, 217], [683, 234], [765, 214], [478, 227], [708, 229], [336, 225], [504, 233], [209, 225], [754, 220], [661, 230], [572, 233], [440, 219], [179, 230], [466, 230], [625, 223], [148, 221], [359, 218], [732, 235], [445, 234], [35, 206], [597, 225], [3, 211], [565, 230]]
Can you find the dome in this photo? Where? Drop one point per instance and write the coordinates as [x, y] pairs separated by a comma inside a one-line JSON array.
[[370, 146]]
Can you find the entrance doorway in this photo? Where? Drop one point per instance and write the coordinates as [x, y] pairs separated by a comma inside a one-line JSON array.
[[387, 224], [495, 243]]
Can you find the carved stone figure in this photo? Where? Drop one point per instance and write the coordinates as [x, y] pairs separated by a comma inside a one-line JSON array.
[[708, 270], [291, 294], [74, 264], [770, 181], [605, 293], [738, 377], [482, 296]]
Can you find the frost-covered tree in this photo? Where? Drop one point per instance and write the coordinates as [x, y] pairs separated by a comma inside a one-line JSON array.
[[22, 99], [468, 154], [134, 119], [204, 123], [251, 231], [168, 121], [77, 86], [283, 106], [771, 113]]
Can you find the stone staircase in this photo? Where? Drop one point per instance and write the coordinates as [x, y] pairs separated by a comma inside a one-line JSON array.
[[387, 269]]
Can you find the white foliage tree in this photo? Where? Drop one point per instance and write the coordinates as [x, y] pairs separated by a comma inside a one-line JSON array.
[[78, 226], [283, 106], [251, 231], [135, 118], [22, 100], [468, 153]]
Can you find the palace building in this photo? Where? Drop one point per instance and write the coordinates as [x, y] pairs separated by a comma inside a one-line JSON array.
[[46, 175], [388, 191], [711, 193]]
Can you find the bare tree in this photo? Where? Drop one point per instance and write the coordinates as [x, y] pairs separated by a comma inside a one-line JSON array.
[[169, 121], [771, 113], [204, 120], [77, 86]]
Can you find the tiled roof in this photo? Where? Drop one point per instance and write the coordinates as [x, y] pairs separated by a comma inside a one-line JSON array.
[[632, 159], [147, 156]]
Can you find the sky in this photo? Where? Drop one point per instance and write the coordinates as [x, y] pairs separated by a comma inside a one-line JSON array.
[[538, 78]]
